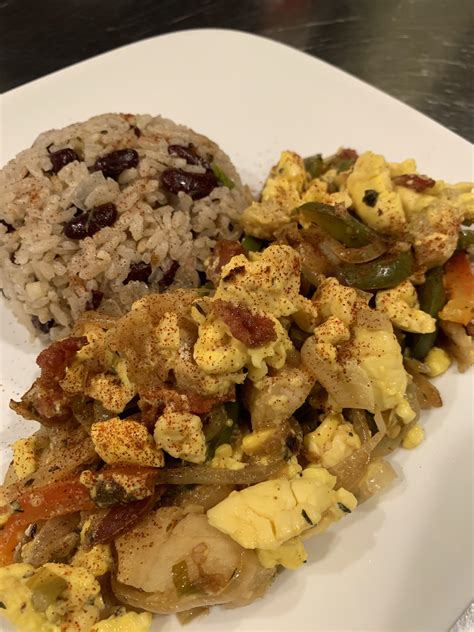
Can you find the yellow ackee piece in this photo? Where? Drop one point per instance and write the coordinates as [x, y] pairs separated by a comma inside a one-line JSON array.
[[402, 307], [127, 622], [180, 434], [227, 458], [24, 457], [266, 515], [126, 442], [291, 555], [414, 437], [437, 361], [371, 172], [332, 442]]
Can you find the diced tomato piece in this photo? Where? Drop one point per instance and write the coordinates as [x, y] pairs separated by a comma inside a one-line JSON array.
[[414, 181], [41, 503]]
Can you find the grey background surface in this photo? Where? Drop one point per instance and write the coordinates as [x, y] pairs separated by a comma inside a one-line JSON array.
[[420, 51]]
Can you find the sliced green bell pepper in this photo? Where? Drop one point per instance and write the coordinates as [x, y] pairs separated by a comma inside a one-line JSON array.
[[314, 166], [384, 272], [251, 244], [465, 239], [222, 177], [338, 223], [432, 297]]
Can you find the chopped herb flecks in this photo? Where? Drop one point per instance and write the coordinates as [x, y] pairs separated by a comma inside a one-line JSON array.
[[370, 197], [222, 177], [251, 244], [307, 518]]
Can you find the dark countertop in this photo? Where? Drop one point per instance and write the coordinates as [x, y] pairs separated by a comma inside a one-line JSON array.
[[420, 51]]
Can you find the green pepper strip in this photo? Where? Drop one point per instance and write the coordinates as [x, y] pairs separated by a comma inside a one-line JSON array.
[[222, 177], [384, 272], [227, 433], [465, 239], [432, 298], [232, 410], [205, 289], [182, 583], [314, 166], [297, 336], [251, 244], [338, 224]]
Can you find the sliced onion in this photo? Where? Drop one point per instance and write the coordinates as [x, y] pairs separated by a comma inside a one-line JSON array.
[[350, 470], [348, 385], [372, 319], [216, 422], [204, 475], [206, 496], [416, 366], [313, 263], [378, 476], [189, 615], [412, 399], [309, 273], [358, 419], [460, 345], [54, 539], [315, 251], [380, 423], [358, 255], [86, 186], [96, 318], [427, 395]]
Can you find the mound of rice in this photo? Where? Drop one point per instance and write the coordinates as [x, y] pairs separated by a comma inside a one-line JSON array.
[[99, 213]]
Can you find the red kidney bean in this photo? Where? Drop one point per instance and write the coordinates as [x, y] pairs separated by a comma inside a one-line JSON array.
[[189, 154], [8, 226], [197, 185], [43, 327], [168, 276], [89, 223], [115, 162], [76, 228], [102, 216], [95, 300], [138, 272], [61, 158]]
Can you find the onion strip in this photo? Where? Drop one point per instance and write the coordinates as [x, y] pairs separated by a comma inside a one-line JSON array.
[[427, 395], [350, 470], [363, 254], [205, 475]]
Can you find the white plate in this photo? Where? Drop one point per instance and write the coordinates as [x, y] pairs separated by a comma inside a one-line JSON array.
[[401, 562]]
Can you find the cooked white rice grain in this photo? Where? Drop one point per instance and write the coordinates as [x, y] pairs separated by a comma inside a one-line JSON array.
[[48, 278]]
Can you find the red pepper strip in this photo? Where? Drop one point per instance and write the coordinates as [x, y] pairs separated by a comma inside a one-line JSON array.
[[41, 503]]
